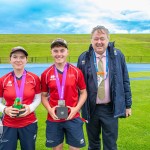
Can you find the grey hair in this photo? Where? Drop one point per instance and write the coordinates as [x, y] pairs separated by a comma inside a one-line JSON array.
[[101, 29]]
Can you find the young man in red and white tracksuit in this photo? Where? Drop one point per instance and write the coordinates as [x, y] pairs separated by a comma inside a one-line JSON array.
[[63, 84]]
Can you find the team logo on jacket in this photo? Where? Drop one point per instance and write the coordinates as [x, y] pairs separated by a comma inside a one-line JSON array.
[[9, 83], [52, 77], [83, 62]]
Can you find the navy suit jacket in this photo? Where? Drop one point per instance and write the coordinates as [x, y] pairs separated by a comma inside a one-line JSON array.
[[120, 92]]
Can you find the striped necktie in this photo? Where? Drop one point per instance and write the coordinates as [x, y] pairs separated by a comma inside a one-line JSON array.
[[101, 88]]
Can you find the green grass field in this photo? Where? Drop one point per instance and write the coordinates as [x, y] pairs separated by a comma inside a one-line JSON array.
[[38, 45], [134, 132]]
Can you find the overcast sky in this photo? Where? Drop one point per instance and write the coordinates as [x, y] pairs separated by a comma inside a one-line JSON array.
[[73, 16]]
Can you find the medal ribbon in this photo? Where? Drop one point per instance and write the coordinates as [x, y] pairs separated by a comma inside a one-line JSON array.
[[19, 91], [61, 87]]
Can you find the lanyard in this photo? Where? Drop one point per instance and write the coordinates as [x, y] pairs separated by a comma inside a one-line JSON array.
[[96, 65], [61, 87], [19, 91]]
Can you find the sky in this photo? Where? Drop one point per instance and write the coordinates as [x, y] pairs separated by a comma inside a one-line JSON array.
[[73, 16]]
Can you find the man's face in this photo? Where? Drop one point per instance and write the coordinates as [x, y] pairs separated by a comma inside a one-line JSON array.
[[99, 42], [59, 54]]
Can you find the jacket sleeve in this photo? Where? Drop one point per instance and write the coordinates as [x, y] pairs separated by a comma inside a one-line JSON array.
[[126, 83], [81, 64]]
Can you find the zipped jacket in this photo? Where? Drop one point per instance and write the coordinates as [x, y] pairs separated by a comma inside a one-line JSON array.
[[120, 92]]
